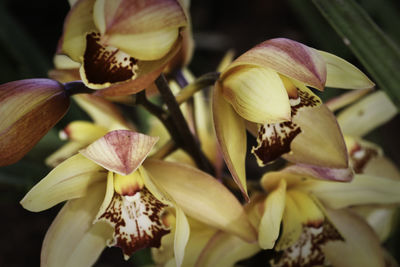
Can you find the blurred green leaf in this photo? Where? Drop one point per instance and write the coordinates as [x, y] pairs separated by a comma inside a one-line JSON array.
[[377, 52]]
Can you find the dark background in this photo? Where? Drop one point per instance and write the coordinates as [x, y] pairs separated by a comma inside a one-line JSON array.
[[29, 31]]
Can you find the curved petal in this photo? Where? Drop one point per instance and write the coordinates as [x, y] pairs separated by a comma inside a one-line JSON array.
[[201, 197], [231, 134], [257, 94], [120, 151], [72, 240], [361, 246], [310, 171], [182, 232], [289, 58], [320, 142], [367, 114], [70, 179], [345, 99], [224, 250], [84, 132], [364, 189], [270, 224], [63, 153], [342, 74], [78, 22]]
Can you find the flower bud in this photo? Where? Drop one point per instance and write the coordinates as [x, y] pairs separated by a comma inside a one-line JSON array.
[[29, 109]]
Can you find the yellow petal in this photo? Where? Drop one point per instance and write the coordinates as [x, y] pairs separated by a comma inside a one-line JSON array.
[[381, 166], [289, 58], [291, 224], [224, 250], [84, 132], [107, 196], [120, 151], [364, 189], [231, 134], [345, 99], [321, 142], [361, 246], [71, 179], [257, 94], [270, 224], [145, 31], [64, 62], [311, 214], [367, 114], [78, 22], [102, 111], [342, 74], [72, 240], [182, 232], [64, 152], [23, 104], [201, 197]]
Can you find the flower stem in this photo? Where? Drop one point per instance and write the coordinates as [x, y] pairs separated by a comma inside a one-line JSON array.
[[184, 137]]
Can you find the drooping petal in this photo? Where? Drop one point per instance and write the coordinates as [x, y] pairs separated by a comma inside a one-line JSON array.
[[137, 221], [70, 179], [257, 94], [84, 132], [224, 250], [23, 104], [367, 114], [102, 112], [120, 151], [72, 239], [78, 22], [145, 30], [289, 58], [182, 232], [345, 99], [342, 74], [270, 223], [231, 134], [201, 197], [363, 189], [321, 142], [361, 246]]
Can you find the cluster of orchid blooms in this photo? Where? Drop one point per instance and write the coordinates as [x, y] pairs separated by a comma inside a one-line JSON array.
[[331, 205]]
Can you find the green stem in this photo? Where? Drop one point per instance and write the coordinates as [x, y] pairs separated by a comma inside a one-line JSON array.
[[184, 138], [378, 53]]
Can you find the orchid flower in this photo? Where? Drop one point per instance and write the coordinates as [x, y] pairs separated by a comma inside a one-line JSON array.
[[23, 104], [117, 198], [265, 90], [122, 43], [106, 117]]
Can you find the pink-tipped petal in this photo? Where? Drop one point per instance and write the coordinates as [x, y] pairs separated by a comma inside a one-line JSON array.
[[120, 151], [289, 58]]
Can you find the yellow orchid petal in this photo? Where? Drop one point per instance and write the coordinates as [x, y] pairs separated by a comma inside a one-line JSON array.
[[345, 99], [201, 197], [182, 232], [342, 74], [257, 94], [65, 62], [381, 166], [108, 196], [72, 239], [102, 111], [224, 250], [291, 224], [231, 134], [23, 104], [84, 131], [367, 114], [363, 189], [78, 22], [270, 224], [70, 179], [145, 31], [311, 214], [120, 151], [321, 142], [289, 58], [63, 153], [361, 246]]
